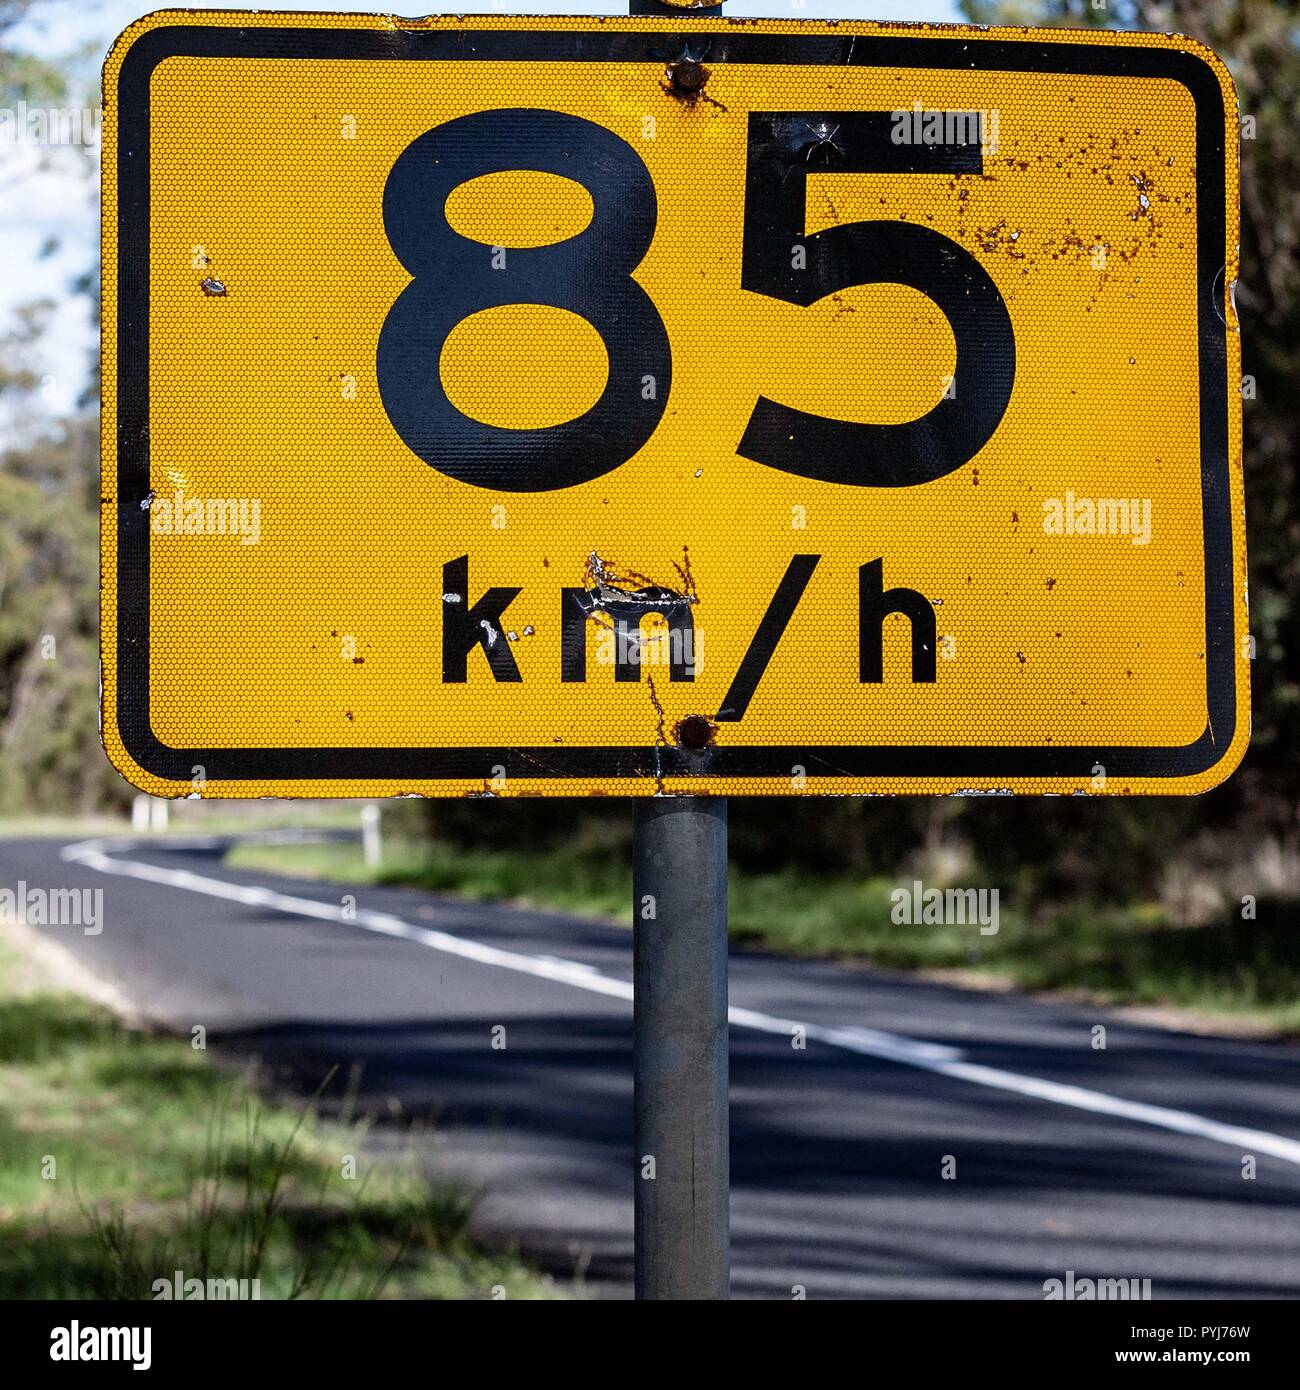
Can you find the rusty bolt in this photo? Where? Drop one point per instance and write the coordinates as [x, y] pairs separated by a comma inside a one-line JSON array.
[[695, 731], [687, 78]]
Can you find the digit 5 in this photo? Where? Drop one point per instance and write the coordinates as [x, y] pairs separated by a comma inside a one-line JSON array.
[[783, 147]]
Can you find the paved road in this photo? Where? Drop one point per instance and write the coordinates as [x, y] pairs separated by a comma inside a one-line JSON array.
[[1122, 1163]]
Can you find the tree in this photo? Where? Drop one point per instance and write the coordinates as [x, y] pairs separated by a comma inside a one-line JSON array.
[[49, 573]]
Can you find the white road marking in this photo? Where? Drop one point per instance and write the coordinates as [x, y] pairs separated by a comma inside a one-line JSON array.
[[868, 1042]]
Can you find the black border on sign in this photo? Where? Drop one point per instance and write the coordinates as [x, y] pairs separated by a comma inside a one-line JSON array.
[[599, 45]]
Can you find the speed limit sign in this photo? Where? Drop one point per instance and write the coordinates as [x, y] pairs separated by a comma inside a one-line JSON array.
[[621, 406]]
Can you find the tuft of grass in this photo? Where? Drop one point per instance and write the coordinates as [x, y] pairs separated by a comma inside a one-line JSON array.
[[126, 1157], [1232, 971]]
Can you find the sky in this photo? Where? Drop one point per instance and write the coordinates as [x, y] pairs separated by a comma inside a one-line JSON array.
[[49, 199]]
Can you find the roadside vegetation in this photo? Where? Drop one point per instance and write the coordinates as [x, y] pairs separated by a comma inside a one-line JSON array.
[[1210, 962], [126, 1157]]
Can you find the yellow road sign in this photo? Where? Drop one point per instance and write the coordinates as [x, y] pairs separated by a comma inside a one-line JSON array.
[[554, 406]]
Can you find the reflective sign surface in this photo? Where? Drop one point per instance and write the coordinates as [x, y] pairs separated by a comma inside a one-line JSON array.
[[555, 406]]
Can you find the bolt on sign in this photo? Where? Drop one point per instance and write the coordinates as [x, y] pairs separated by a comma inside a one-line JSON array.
[[636, 405]]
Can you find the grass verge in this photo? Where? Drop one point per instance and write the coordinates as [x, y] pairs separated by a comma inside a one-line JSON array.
[[1242, 974], [126, 1157]]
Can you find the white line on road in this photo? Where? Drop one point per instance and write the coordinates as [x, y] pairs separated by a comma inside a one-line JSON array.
[[868, 1042]]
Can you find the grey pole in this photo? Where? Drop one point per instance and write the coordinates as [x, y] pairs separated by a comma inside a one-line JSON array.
[[682, 1177], [679, 1028]]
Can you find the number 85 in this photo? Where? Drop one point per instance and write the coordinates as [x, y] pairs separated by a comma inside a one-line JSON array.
[[591, 274]]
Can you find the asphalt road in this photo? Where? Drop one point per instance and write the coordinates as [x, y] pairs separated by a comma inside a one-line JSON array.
[[1122, 1163]]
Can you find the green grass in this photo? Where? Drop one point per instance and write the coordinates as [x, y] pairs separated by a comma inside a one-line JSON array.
[[572, 880], [125, 1157], [1233, 972]]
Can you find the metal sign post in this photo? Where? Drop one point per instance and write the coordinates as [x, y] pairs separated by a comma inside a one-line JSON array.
[[679, 883], [679, 1029]]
